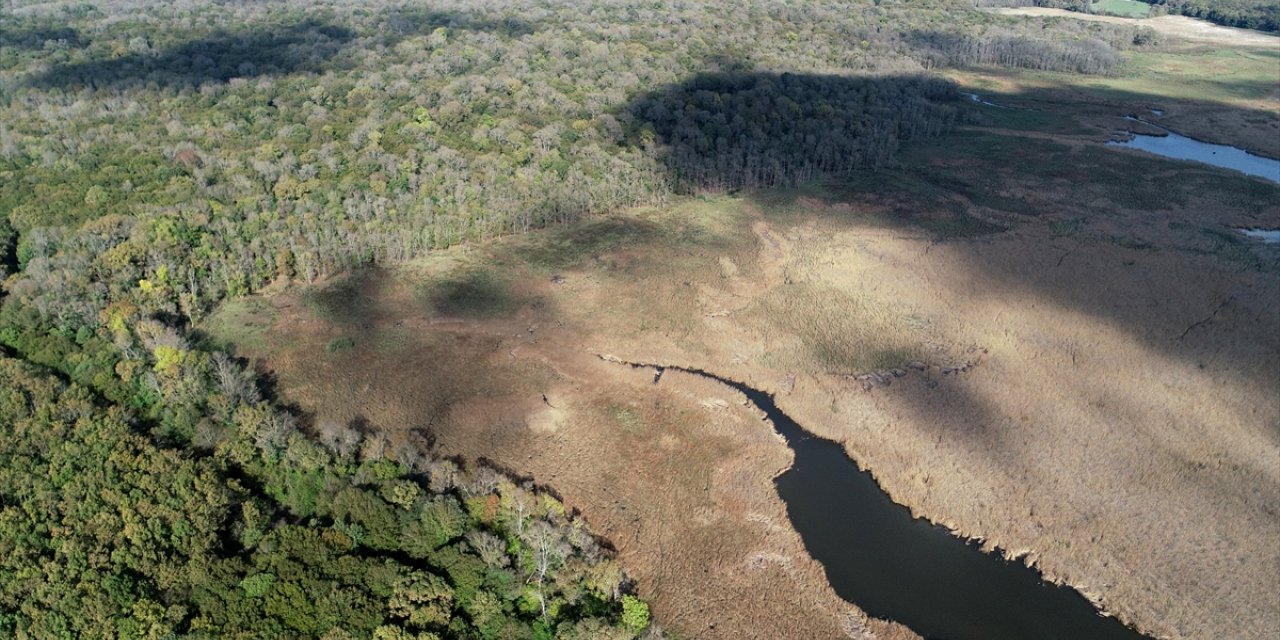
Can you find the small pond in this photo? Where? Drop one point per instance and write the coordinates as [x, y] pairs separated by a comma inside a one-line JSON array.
[[1179, 147], [1268, 236]]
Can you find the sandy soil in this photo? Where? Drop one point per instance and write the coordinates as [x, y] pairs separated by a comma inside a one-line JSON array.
[[1097, 386], [1181, 27]]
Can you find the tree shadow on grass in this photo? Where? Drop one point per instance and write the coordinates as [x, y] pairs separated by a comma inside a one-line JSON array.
[[575, 245], [352, 299], [470, 292]]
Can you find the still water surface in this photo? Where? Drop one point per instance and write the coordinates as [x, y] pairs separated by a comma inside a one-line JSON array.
[[894, 566], [1268, 236], [1179, 147]]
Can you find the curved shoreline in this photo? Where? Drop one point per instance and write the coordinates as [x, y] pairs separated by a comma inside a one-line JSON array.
[[995, 564]]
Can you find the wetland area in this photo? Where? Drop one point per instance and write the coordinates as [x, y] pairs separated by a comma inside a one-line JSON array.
[[624, 320], [1050, 353], [893, 565]]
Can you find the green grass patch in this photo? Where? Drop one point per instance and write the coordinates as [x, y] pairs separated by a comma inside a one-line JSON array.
[[339, 344], [1122, 8], [240, 323]]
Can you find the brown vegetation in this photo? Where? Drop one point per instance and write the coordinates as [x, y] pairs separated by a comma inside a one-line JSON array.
[[1180, 27], [1090, 375]]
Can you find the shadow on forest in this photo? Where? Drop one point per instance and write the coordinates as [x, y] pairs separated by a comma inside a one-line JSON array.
[[35, 37], [732, 130], [407, 21], [727, 131], [302, 48], [311, 46]]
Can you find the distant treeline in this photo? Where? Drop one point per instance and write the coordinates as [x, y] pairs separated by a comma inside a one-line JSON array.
[[157, 158], [1263, 15], [1090, 55]]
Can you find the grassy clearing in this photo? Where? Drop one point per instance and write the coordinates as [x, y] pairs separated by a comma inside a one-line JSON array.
[[1237, 76], [1122, 8], [240, 324], [1203, 74]]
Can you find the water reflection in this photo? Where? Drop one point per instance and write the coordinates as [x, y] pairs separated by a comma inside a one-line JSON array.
[[1179, 147]]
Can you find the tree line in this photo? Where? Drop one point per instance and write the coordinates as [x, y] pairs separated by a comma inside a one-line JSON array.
[[1262, 15]]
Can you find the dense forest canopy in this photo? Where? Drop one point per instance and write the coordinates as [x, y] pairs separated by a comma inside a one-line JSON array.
[[107, 534], [157, 158]]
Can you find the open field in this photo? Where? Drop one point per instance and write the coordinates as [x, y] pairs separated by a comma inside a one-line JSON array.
[[1180, 27], [1123, 8], [1226, 95]]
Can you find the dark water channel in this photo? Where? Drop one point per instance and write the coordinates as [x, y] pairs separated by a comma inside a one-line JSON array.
[[891, 565]]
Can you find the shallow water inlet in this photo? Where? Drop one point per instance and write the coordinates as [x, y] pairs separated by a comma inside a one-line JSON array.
[[1180, 147], [1267, 236], [899, 567]]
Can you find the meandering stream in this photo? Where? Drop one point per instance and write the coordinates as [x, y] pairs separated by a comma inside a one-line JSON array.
[[892, 565]]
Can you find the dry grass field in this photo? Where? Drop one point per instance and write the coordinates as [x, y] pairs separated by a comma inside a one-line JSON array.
[[1180, 27], [1061, 349]]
